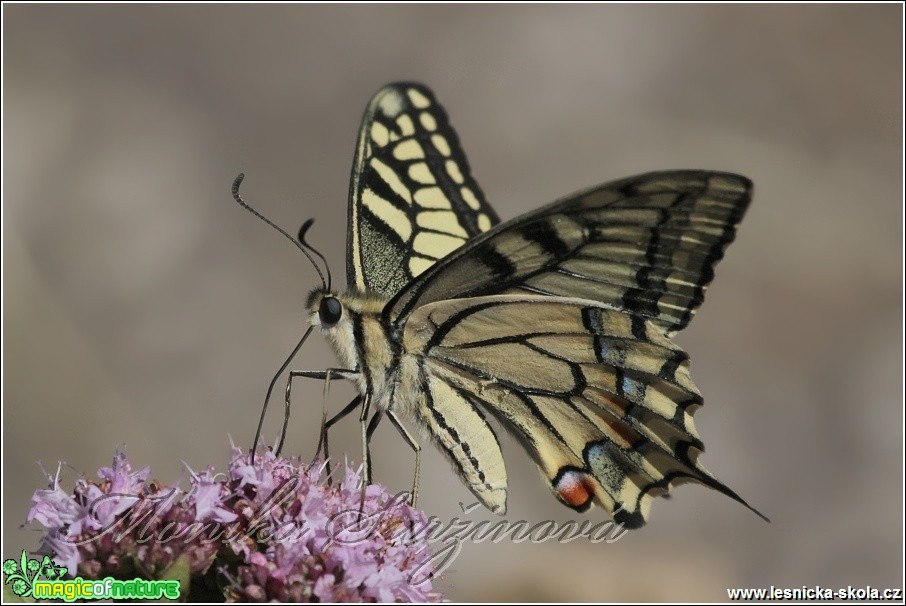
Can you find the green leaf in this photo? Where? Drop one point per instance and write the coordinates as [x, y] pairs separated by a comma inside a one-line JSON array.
[[24, 564], [179, 571]]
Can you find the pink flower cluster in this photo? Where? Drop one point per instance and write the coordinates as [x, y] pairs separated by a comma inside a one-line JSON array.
[[274, 529]]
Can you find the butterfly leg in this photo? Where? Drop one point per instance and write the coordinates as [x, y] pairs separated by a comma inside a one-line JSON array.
[[326, 425], [322, 434], [366, 462], [308, 374], [415, 447], [372, 426]]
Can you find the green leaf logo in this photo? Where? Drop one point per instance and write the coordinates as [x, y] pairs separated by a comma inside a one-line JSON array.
[[21, 575]]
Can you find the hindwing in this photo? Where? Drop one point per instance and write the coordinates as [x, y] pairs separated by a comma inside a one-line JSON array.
[[604, 410]]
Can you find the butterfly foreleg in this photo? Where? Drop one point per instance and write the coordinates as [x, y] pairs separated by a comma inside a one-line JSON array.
[[326, 425], [324, 375], [415, 446], [372, 426], [366, 459]]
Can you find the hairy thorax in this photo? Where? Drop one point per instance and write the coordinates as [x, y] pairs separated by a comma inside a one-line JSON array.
[[365, 344]]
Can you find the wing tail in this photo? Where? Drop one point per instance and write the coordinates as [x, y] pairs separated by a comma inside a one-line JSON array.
[[606, 414]]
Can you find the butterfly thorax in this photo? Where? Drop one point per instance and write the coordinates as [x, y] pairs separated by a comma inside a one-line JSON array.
[[352, 324]]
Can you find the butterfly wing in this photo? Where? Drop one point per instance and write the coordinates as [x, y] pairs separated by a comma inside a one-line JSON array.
[[557, 322], [646, 245], [412, 197], [603, 406]]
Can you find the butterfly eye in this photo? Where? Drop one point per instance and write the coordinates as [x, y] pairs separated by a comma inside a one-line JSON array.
[[331, 311]]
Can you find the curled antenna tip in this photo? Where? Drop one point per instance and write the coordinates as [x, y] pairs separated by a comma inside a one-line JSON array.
[[236, 183], [304, 229], [300, 245]]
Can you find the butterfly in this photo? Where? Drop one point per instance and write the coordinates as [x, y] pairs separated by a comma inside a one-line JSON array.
[[558, 324]]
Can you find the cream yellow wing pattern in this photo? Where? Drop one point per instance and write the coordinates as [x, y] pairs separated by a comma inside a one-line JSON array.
[[412, 197], [557, 324], [606, 414], [646, 244]]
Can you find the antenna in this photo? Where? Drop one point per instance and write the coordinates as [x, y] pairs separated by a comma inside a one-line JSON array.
[[302, 231], [235, 189], [325, 283]]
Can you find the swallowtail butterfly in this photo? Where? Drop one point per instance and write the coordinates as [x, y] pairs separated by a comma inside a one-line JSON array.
[[557, 324]]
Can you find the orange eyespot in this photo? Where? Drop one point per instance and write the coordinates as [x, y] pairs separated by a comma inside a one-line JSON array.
[[574, 488]]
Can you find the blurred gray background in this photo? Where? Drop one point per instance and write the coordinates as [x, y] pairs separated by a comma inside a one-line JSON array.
[[143, 307]]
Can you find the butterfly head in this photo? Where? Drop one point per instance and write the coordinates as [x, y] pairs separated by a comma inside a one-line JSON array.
[[335, 316], [330, 312], [326, 310]]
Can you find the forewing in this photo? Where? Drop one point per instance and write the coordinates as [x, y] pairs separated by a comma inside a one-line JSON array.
[[602, 403], [412, 198], [646, 245]]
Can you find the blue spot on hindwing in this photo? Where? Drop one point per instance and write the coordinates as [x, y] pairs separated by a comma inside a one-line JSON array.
[[611, 352], [632, 389]]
